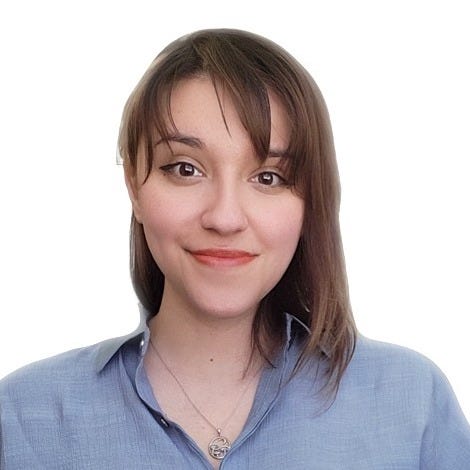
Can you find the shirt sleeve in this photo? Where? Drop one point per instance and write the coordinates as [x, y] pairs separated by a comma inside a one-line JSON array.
[[446, 439]]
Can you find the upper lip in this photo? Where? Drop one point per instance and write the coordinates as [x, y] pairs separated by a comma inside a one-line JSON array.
[[222, 253]]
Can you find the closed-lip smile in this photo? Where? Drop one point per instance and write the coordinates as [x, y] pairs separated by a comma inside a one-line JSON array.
[[222, 256]]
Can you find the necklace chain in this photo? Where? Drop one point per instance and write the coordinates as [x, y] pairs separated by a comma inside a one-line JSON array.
[[220, 445]]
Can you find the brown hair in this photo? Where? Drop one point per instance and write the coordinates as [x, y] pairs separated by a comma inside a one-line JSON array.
[[314, 287]]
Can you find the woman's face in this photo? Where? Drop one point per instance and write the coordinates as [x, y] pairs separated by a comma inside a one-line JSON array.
[[221, 226]]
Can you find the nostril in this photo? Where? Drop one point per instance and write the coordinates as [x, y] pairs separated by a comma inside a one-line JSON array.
[[225, 215]]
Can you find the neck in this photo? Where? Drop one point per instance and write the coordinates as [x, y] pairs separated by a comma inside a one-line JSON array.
[[204, 345]]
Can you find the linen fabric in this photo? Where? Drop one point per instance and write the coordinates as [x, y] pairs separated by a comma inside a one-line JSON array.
[[93, 408]]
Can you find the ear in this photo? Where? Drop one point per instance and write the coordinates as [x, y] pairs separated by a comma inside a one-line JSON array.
[[131, 184]]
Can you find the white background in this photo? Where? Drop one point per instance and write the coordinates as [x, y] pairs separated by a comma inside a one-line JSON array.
[[396, 79]]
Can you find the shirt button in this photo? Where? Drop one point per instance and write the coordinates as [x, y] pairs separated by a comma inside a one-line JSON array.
[[164, 422], [142, 342]]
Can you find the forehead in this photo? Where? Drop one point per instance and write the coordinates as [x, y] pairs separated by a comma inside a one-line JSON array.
[[205, 109]]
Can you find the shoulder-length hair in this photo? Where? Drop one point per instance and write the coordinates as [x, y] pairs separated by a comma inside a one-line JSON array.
[[314, 287]]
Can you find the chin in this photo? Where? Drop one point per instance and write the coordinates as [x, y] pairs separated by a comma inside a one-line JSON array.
[[225, 310]]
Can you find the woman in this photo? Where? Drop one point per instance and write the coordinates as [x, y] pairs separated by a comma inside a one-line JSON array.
[[248, 355]]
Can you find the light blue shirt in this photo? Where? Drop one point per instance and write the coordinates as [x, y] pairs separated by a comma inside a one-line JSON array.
[[93, 408]]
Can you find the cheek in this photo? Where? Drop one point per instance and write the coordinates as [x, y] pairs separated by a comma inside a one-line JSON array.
[[283, 227], [282, 235], [159, 222], [160, 211], [282, 230]]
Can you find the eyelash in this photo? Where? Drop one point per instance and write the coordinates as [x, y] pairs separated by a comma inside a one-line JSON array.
[[172, 169], [281, 180]]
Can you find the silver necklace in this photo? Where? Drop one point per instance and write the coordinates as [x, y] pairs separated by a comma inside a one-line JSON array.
[[219, 445]]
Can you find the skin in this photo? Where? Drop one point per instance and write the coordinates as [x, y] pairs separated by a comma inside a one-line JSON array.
[[223, 228], [219, 203]]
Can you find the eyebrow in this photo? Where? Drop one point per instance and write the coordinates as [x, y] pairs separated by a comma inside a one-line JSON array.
[[277, 153], [193, 142], [197, 143]]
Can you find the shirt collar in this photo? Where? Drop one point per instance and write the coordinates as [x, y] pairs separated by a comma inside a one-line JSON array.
[[107, 349]]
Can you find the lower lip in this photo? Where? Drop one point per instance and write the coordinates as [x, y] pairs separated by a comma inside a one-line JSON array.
[[219, 261]]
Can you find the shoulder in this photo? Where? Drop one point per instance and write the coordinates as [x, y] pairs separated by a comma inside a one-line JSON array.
[[378, 354], [396, 375], [378, 362], [64, 403], [49, 378], [50, 373], [408, 392]]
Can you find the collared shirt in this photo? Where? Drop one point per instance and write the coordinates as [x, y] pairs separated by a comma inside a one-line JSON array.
[[94, 408]]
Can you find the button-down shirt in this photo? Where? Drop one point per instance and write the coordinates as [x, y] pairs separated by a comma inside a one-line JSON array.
[[93, 408]]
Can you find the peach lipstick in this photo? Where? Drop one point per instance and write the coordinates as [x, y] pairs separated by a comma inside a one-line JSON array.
[[223, 257]]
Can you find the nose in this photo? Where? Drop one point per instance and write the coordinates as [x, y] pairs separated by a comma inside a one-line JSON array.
[[225, 210]]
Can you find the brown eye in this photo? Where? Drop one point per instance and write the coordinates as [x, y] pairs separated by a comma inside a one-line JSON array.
[[186, 169], [269, 178], [181, 170]]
